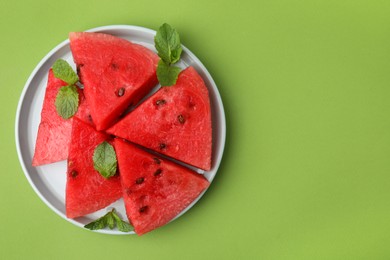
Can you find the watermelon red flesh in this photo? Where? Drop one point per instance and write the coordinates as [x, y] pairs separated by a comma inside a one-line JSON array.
[[115, 72], [154, 190], [54, 132], [86, 190], [175, 121], [83, 111]]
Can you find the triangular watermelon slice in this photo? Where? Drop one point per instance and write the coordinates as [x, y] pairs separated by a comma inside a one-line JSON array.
[[54, 132], [175, 121], [155, 190], [115, 72], [86, 190]]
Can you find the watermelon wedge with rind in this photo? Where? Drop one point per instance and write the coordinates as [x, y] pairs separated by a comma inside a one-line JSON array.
[[86, 190], [54, 131], [155, 190], [115, 72], [175, 121]]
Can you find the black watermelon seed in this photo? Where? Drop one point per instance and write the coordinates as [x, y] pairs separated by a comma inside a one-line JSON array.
[[114, 66], [74, 174], [157, 172], [181, 119], [143, 209], [163, 146], [156, 160], [160, 102], [139, 180]]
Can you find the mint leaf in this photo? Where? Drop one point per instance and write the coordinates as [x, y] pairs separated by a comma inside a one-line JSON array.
[[167, 43], [167, 75], [104, 160], [122, 225], [100, 223], [67, 101], [63, 71], [110, 219]]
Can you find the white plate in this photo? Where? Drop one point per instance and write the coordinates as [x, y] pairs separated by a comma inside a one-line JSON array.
[[49, 181]]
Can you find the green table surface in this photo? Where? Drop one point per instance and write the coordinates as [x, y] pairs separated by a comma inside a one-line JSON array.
[[306, 169]]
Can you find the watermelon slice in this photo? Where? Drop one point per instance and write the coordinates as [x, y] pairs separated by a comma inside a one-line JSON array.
[[86, 190], [115, 72], [54, 132], [175, 121], [154, 190]]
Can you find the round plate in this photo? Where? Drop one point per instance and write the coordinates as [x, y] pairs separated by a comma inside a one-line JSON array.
[[49, 181]]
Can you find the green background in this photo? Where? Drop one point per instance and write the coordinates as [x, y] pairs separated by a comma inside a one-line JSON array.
[[305, 174]]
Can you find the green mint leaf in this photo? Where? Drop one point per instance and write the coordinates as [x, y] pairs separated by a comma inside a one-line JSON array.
[[63, 71], [100, 223], [67, 101], [167, 43], [167, 75], [110, 219], [104, 160], [122, 226]]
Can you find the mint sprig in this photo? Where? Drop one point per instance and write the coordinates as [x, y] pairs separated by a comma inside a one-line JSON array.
[[168, 46], [63, 71], [104, 160], [67, 99], [110, 220]]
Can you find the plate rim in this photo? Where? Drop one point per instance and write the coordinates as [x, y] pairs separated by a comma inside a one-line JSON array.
[[131, 28]]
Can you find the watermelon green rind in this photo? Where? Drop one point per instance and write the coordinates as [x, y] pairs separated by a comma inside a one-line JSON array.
[[155, 190], [174, 121], [86, 190], [108, 65]]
